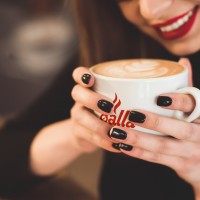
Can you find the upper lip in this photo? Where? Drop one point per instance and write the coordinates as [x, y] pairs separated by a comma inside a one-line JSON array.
[[172, 20]]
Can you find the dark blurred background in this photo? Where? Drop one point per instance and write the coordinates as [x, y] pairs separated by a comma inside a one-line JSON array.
[[37, 39]]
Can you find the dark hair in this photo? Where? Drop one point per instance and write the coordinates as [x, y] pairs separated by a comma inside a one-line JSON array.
[[106, 35]]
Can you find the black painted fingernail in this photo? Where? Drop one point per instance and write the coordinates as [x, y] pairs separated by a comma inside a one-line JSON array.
[[116, 146], [125, 147], [104, 105], [118, 134], [137, 117], [164, 101], [86, 78]]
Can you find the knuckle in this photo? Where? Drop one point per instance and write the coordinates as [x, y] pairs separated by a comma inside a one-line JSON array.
[[139, 153], [74, 92], [97, 127], [155, 157], [155, 122], [195, 157], [180, 102], [188, 132], [185, 104], [96, 138], [104, 142], [76, 113], [135, 139], [104, 128], [90, 95], [162, 146]]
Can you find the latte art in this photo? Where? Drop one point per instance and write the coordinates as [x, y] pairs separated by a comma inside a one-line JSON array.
[[138, 68]]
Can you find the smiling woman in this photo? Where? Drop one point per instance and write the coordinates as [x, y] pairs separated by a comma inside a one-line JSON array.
[[172, 23], [120, 29], [137, 165]]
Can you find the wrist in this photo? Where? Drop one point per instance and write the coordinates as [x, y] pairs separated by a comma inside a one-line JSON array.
[[53, 148]]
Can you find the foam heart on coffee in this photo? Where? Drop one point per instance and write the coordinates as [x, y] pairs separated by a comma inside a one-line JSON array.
[[139, 68]]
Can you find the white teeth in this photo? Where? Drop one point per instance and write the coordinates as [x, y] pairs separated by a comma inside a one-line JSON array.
[[190, 13], [180, 22], [177, 24]]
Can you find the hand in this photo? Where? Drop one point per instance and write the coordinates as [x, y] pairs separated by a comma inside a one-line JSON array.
[[59, 144], [89, 131], [180, 152]]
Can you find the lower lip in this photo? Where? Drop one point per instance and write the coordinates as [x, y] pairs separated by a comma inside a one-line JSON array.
[[180, 32]]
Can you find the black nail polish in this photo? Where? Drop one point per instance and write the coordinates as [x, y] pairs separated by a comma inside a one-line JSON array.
[[164, 101], [116, 146], [86, 78], [125, 147], [104, 105], [118, 134], [137, 117]]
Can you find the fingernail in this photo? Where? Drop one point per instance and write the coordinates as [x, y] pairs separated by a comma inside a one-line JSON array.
[[125, 147], [116, 146], [86, 78], [164, 101], [104, 105], [118, 134], [137, 117]]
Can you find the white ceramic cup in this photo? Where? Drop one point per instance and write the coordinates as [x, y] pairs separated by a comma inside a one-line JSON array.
[[141, 93]]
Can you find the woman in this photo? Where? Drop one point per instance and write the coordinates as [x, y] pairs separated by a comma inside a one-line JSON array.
[[109, 30], [118, 29]]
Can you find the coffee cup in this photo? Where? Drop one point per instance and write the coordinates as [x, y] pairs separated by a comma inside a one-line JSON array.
[[135, 84]]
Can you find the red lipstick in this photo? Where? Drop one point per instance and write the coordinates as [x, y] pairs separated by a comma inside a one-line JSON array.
[[177, 27]]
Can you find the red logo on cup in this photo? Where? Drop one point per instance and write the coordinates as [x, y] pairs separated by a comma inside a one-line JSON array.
[[121, 119]]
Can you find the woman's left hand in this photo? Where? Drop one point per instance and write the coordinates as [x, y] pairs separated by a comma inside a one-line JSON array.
[[180, 152]]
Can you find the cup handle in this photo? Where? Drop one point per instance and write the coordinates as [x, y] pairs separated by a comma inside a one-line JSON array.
[[196, 112]]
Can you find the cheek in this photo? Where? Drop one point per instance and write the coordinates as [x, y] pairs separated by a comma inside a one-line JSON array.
[[195, 1], [131, 12]]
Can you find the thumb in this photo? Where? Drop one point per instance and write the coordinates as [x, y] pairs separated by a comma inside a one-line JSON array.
[[186, 63]]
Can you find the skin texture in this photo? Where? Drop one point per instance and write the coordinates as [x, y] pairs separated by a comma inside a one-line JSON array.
[[144, 13], [84, 132], [181, 153]]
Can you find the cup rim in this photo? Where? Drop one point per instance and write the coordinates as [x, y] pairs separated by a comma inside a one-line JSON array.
[[91, 69]]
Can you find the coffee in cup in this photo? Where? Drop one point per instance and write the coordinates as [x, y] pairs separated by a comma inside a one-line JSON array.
[[137, 69]]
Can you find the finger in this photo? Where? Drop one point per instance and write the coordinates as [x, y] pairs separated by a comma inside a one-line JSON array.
[[182, 102], [83, 77], [85, 118], [92, 100], [173, 162], [197, 121], [185, 62], [94, 139], [169, 126], [150, 142]]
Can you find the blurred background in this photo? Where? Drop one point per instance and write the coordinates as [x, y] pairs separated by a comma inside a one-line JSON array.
[[37, 40]]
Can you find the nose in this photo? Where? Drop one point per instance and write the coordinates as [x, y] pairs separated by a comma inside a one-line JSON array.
[[154, 9]]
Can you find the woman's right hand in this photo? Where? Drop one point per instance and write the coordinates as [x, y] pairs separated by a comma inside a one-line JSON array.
[[90, 132], [59, 144]]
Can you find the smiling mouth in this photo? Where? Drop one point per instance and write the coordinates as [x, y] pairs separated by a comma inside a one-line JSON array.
[[178, 26]]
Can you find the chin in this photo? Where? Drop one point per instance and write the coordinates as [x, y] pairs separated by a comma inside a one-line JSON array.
[[182, 49]]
